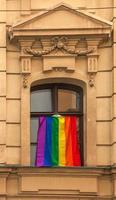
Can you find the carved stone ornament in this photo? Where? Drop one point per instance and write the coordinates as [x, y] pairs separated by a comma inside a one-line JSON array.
[[25, 69], [25, 80], [91, 79], [92, 68], [10, 32], [59, 43]]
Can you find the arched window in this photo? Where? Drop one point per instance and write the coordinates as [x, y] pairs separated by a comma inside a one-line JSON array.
[[61, 101]]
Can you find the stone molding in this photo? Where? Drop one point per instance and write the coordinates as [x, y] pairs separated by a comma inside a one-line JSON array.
[[51, 52], [17, 181], [54, 49], [34, 27], [103, 27]]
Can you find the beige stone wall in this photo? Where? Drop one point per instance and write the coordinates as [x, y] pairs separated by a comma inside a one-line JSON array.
[[99, 111], [2, 82], [102, 92], [28, 183], [113, 100], [13, 105], [104, 95], [91, 6]]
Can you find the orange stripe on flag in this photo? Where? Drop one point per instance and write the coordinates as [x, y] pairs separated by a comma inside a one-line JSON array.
[[69, 158]]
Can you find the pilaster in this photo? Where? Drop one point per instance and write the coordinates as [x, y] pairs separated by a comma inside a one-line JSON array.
[[3, 81], [25, 62], [113, 130], [91, 127], [91, 97]]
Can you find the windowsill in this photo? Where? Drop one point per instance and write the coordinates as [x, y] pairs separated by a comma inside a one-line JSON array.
[[58, 171], [59, 168]]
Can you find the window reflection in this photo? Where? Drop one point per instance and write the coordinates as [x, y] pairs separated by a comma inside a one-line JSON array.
[[68, 101], [41, 101]]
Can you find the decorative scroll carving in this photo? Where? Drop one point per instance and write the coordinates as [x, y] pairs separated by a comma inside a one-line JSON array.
[[59, 43]]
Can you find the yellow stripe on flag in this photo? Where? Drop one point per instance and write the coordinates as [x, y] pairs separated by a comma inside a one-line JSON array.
[[62, 141]]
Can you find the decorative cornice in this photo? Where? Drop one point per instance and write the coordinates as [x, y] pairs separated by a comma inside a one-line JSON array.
[[59, 43]]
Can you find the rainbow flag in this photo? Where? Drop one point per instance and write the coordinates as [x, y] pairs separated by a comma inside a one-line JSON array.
[[57, 142]]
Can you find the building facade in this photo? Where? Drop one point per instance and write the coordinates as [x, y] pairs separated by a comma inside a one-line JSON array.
[[57, 58]]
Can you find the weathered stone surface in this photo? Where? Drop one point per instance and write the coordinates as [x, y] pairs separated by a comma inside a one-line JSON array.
[[2, 186], [3, 35], [103, 155], [13, 86], [2, 59], [99, 101], [13, 62], [104, 109], [2, 11], [13, 135], [2, 108], [58, 183], [13, 111], [13, 155], [105, 88], [3, 84], [2, 132], [103, 132]]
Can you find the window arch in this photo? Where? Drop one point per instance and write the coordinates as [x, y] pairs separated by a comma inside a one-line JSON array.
[[56, 99]]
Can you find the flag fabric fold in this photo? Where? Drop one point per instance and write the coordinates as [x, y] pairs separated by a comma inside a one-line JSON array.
[[57, 142]]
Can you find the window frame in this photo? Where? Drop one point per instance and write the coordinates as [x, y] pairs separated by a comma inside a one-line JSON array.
[[54, 92], [54, 87]]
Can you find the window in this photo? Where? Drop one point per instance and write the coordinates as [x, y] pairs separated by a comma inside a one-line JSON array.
[[56, 99]]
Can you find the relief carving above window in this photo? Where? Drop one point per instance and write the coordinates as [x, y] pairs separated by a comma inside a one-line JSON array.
[[60, 40], [59, 54], [58, 43]]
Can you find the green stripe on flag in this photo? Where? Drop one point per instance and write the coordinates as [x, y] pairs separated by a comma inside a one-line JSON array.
[[55, 130]]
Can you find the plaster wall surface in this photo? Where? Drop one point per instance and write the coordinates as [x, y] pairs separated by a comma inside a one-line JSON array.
[[99, 100]]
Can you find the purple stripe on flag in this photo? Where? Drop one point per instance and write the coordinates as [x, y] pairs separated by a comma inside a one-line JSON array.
[[41, 142]]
